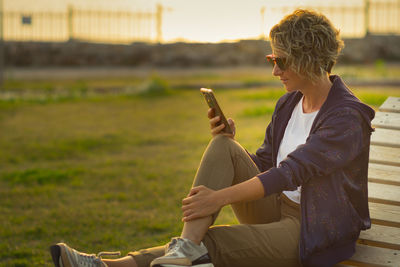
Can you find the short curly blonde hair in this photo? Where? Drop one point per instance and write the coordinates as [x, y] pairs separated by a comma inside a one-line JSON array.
[[308, 41]]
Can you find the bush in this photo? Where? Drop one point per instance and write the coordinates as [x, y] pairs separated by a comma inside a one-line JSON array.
[[155, 86]]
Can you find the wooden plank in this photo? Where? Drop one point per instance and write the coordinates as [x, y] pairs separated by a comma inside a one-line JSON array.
[[386, 174], [380, 246], [374, 256], [385, 137], [387, 120], [385, 155], [391, 104], [383, 214], [383, 193], [381, 236]]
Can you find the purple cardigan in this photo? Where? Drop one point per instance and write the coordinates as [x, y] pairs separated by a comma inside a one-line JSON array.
[[331, 167]]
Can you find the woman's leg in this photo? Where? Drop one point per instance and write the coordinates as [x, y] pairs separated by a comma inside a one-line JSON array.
[[144, 257], [196, 229], [271, 244], [126, 261], [257, 245], [223, 164]]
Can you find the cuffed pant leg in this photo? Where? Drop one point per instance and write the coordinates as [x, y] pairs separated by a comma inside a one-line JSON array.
[[144, 257]]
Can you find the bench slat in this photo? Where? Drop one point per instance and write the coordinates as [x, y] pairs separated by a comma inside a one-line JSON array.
[[383, 193], [386, 174], [385, 155], [381, 236], [374, 256], [382, 214], [385, 137], [391, 104], [380, 245], [388, 120]]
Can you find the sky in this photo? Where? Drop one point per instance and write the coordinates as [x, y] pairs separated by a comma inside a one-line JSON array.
[[190, 20]]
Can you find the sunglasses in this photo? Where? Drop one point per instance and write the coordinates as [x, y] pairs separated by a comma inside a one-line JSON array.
[[281, 62]]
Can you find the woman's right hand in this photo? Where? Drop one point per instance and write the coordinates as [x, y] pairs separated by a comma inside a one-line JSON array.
[[217, 129]]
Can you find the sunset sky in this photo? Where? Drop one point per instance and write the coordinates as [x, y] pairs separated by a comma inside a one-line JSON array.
[[204, 21]]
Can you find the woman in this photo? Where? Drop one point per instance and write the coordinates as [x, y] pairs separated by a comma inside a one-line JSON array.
[[301, 199]]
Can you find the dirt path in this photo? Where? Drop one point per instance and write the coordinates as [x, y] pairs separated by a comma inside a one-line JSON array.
[[229, 74], [116, 72]]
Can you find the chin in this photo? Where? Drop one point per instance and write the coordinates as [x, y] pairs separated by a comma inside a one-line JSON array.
[[289, 89]]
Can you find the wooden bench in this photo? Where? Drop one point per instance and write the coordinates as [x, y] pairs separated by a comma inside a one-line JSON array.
[[380, 245]]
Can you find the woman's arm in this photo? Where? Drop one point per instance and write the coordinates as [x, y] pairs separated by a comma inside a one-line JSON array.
[[202, 201], [340, 137]]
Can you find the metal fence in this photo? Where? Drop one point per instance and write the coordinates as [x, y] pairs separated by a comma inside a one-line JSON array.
[[353, 20], [85, 25], [383, 17]]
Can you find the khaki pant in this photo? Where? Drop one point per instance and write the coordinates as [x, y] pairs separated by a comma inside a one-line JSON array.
[[269, 229]]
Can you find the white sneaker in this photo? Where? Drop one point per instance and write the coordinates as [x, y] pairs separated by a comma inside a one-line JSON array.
[[64, 256], [183, 252]]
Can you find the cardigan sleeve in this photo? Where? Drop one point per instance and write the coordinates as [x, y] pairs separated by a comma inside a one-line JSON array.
[[338, 139]]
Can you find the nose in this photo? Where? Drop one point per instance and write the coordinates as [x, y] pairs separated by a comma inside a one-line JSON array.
[[276, 71]]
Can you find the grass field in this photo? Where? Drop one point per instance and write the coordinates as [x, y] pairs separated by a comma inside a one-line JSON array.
[[108, 171]]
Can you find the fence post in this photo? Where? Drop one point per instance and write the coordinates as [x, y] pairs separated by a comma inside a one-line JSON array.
[[366, 17], [159, 22], [262, 13], [397, 29], [70, 22], [1, 45]]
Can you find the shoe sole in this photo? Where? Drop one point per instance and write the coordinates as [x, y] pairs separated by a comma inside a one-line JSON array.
[[55, 252]]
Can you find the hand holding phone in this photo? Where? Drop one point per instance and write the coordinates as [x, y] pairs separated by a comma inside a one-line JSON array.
[[213, 104], [216, 125]]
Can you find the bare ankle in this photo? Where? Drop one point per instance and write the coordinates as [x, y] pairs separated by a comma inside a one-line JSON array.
[[195, 240], [196, 229], [127, 261]]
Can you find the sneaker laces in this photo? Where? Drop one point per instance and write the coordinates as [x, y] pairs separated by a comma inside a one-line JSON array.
[[108, 253], [173, 246]]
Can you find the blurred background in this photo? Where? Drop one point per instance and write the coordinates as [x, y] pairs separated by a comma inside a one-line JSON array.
[[103, 126], [127, 21], [175, 33]]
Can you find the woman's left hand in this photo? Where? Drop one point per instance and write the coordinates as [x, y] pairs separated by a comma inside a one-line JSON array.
[[200, 202]]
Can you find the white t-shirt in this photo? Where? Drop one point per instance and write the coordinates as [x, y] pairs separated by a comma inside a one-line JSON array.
[[296, 133]]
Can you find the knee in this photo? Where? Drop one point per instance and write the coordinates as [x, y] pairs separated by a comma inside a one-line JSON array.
[[224, 144], [221, 140]]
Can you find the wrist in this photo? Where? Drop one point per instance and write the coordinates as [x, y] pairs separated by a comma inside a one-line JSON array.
[[222, 198]]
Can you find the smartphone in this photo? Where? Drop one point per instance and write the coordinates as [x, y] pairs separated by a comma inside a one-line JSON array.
[[212, 103]]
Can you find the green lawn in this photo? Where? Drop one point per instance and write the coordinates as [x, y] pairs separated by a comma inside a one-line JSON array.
[[108, 172]]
